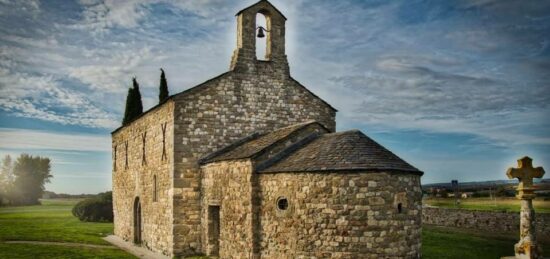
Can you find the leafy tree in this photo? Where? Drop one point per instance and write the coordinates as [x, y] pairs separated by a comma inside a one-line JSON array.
[[163, 88], [134, 107], [31, 173], [6, 179]]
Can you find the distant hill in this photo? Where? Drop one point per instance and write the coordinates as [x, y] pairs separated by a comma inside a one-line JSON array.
[[543, 185], [53, 195]]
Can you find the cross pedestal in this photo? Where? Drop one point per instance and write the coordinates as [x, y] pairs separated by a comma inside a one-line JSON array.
[[527, 247]]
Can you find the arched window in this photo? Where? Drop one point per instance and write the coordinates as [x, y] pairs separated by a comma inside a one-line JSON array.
[[261, 42], [155, 189]]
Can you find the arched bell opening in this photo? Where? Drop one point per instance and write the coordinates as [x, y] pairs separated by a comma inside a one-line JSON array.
[[263, 36]]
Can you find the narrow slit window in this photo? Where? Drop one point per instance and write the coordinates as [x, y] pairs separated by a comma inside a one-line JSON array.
[[155, 189], [126, 154], [143, 138], [163, 127], [114, 158]]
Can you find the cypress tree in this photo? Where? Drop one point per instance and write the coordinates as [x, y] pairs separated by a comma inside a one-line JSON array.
[[163, 88], [129, 106], [138, 106], [134, 107]]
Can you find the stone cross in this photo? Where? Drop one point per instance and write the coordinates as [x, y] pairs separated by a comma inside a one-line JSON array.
[[527, 246], [525, 173]]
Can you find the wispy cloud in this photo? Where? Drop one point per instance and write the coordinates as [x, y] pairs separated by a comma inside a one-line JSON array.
[[44, 98], [44, 140], [474, 67]]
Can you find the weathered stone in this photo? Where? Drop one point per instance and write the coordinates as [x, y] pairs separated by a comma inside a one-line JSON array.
[[228, 208], [492, 221], [527, 247]]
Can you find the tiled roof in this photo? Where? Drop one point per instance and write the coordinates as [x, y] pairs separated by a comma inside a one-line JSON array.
[[350, 150], [254, 144]]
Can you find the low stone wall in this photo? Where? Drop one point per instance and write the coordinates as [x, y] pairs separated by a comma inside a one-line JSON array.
[[482, 220]]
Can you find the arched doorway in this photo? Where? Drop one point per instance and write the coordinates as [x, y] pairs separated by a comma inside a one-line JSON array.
[[137, 222]]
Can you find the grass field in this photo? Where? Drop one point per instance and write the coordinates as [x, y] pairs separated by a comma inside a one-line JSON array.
[[440, 242], [500, 204], [53, 222]]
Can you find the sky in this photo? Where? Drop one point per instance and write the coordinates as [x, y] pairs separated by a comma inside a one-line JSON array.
[[459, 89]]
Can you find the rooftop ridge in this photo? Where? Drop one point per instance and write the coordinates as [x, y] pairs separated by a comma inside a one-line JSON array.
[[230, 147], [294, 128], [350, 150]]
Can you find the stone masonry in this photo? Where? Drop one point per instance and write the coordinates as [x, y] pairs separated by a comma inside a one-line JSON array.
[[134, 176], [340, 209], [202, 172], [492, 221], [341, 215], [254, 96]]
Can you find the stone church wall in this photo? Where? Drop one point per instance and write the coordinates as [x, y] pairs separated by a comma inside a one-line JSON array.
[[340, 215], [228, 185], [231, 107], [136, 179], [493, 221]]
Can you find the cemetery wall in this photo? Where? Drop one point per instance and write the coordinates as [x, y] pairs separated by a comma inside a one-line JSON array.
[[494, 221]]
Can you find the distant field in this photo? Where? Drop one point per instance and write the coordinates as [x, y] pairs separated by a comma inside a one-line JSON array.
[[500, 204], [52, 222]]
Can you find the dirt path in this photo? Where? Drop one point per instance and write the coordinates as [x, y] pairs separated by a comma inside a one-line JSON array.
[[60, 244]]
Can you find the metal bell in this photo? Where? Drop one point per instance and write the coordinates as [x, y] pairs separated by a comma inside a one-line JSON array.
[[261, 32]]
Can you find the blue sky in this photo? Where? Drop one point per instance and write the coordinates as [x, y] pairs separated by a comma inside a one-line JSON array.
[[460, 89]]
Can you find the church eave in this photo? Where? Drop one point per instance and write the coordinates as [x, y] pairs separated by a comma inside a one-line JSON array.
[[348, 170]]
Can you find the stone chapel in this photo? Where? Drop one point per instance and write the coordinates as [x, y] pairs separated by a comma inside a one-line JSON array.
[[248, 165]]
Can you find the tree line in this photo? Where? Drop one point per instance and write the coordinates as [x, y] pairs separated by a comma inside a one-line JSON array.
[[22, 181], [134, 106]]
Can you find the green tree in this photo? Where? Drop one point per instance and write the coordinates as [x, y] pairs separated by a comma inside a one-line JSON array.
[[6, 179], [134, 107], [31, 173], [163, 88], [138, 106], [128, 109]]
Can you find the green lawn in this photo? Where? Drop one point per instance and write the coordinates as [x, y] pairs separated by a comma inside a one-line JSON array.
[[500, 204], [439, 242], [52, 222]]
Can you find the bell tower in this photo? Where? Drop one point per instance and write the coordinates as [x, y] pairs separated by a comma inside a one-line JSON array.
[[244, 57]]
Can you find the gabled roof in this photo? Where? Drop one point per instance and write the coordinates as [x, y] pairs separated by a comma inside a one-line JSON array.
[[274, 8], [255, 144], [343, 151], [313, 152]]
